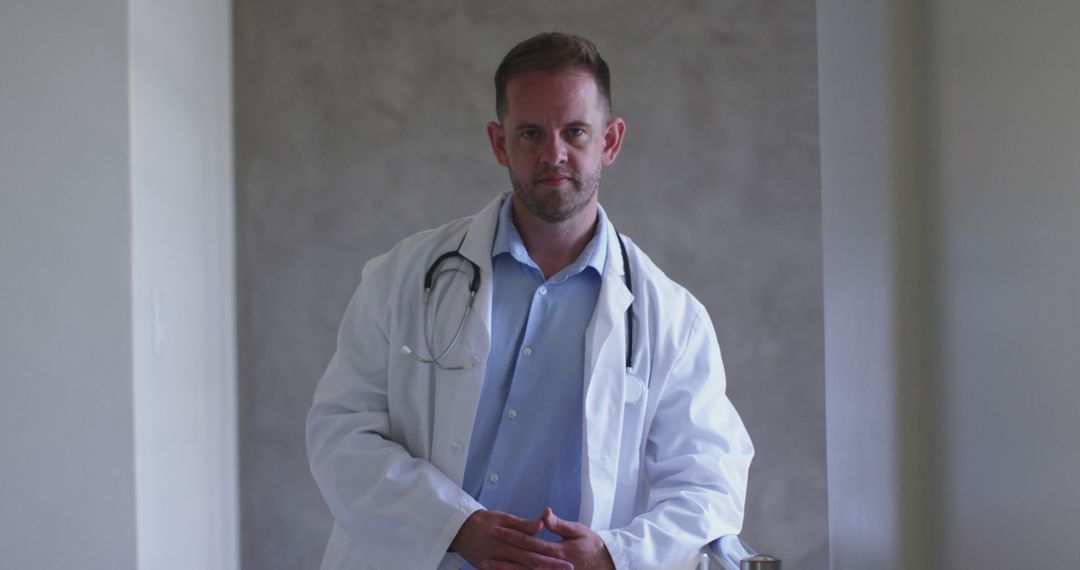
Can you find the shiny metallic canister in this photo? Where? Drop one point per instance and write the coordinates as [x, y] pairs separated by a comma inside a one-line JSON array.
[[760, 562]]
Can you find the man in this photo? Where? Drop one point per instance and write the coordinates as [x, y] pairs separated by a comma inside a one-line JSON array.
[[552, 400]]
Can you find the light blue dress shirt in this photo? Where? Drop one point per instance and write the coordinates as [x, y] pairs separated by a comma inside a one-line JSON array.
[[525, 451]]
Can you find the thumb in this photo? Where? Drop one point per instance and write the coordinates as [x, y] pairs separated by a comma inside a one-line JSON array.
[[560, 527]]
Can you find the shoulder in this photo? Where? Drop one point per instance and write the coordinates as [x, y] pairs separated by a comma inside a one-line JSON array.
[[385, 277], [411, 254], [654, 288], [667, 314], [418, 251]]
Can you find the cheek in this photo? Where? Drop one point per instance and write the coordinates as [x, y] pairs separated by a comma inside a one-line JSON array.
[[520, 158], [521, 166], [590, 155], [521, 154]]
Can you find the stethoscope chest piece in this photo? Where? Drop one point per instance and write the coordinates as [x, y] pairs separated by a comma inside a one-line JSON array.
[[633, 389]]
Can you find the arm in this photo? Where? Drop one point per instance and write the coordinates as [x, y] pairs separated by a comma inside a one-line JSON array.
[[697, 455], [401, 511]]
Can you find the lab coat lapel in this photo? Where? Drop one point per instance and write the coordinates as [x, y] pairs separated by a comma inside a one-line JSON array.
[[605, 353], [450, 292], [477, 248], [457, 392]]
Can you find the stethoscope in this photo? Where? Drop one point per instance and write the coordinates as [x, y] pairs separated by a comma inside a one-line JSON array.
[[432, 276]]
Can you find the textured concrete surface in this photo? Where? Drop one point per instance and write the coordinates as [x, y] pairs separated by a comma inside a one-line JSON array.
[[360, 123]]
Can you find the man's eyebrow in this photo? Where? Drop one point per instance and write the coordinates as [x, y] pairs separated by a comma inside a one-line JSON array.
[[525, 126], [578, 124]]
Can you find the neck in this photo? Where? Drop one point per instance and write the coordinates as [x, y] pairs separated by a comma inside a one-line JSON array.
[[553, 246]]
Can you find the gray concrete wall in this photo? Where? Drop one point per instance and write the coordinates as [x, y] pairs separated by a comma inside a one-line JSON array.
[[67, 484], [360, 123]]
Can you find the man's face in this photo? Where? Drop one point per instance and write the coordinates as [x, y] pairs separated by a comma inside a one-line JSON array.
[[555, 139]]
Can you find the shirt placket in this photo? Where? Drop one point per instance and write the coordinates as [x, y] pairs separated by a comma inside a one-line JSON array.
[[501, 465]]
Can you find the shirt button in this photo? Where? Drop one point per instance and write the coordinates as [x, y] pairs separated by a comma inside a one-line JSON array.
[[542, 290], [526, 351], [512, 414], [494, 478], [457, 447]]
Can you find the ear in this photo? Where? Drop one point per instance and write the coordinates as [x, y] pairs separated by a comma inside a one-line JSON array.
[[498, 142], [613, 134]]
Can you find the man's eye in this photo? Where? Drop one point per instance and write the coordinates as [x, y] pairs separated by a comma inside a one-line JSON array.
[[530, 134], [575, 133]]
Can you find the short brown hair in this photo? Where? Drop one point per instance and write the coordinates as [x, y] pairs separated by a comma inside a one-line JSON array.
[[552, 51]]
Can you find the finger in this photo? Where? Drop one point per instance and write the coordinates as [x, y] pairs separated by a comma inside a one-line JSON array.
[[526, 526], [511, 554], [525, 541], [504, 565], [559, 527], [500, 565]]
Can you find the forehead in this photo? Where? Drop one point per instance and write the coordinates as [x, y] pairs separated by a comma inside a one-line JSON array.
[[560, 96]]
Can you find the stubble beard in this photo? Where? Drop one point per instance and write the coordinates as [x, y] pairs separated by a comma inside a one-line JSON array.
[[566, 205]]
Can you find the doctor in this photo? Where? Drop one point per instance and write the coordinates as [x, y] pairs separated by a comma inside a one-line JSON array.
[[552, 400]]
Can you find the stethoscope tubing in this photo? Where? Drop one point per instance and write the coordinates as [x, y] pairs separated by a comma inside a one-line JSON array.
[[431, 276]]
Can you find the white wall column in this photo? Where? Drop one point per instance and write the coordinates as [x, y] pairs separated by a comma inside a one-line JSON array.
[[877, 234], [117, 420], [183, 284]]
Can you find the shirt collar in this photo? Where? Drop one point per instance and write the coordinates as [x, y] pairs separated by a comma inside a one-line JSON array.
[[508, 240]]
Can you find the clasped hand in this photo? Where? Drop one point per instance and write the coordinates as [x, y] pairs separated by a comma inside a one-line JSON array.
[[491, 540]]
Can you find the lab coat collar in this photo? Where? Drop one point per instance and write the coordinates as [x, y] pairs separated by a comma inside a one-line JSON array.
[[476, 247], [509, 241], [481, 234]]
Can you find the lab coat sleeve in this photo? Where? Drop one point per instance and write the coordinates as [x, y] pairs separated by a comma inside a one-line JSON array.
[[697, 456], [399, 511]]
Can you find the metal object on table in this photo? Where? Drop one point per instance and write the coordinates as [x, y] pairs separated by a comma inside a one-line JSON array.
[[730, 552], [760, 562]]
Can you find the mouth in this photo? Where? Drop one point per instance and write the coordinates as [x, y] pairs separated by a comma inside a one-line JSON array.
[[555, 179]]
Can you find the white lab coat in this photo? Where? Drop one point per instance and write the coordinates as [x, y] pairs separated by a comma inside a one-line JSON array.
[[388, 436]]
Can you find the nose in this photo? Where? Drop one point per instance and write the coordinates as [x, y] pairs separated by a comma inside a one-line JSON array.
[[554, 150]]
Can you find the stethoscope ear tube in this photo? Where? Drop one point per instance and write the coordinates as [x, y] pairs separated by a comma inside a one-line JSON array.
[[429, 277], [630, 309]]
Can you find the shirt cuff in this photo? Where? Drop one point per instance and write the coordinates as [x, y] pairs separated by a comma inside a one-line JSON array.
[[465, 507], [620, 554]]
